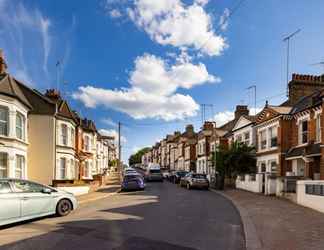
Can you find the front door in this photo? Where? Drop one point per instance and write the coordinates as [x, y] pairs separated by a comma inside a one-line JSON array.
[[34, 201], [10, 208]]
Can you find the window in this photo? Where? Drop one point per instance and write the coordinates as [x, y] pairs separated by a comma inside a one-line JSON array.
[[246, 138], [273, 166], [318, 128], [20, 166], [86, 143], [3, 165], [4, 187], [239, 138], [263, 140], [273, 137], [72, 137], [20, 126], [263, 167], [27, 187], [62, 169], [72, 169], [303, 132], [86, 169], [64, 134], [4, 120]]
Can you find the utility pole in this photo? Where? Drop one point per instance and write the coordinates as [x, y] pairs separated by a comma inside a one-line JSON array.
[[58, 65], [254, 88], [119, 146], [287, 39]]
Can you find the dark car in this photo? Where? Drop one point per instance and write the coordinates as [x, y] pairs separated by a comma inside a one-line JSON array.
[[132, 182], [177, 175], [193, 180]]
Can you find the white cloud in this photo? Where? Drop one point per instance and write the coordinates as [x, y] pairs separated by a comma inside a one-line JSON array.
[[115, 13], [168, 22], [223, 117], [109, 122], [202, 2], [153, 90], [21, 27], [113, 133], [223, 20]]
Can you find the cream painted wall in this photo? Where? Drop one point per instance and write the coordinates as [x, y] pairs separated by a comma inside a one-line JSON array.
[[41, 150]]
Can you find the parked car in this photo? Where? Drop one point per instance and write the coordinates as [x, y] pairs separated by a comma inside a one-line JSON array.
[[24, 200], [153, 172], [166, 174], [132, 182], [129, 171], [177, 175], [193, 180]]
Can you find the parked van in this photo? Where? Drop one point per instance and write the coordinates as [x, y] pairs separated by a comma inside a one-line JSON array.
[[153, 172]]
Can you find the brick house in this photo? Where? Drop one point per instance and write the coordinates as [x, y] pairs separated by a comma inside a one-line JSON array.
[[203, 148], [188, 135]]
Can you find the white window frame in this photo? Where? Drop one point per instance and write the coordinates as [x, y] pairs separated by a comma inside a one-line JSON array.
[[64, 137], [301, 133], [260, 139], [62, 170], [5, 168], [5, 122], [20, 169], [270, 129], [22, 127]]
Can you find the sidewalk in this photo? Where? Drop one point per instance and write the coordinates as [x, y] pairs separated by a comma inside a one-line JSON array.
[[278, 224], [111, 188]]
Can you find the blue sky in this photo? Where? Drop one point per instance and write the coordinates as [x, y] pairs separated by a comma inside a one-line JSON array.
[[150, 64]]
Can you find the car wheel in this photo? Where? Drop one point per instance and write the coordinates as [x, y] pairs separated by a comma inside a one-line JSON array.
[[64, 207], [188, 186]]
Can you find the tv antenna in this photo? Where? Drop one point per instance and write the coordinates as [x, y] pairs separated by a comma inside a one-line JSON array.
[[287, 39]]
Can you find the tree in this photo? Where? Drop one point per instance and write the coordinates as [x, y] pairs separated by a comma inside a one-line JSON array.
[[137, 157], [230, 162]]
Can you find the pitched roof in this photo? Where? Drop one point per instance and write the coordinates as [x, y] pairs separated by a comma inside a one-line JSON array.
[[307, 151], [308, 101], [9, 86], [88, 125], [281, 109]]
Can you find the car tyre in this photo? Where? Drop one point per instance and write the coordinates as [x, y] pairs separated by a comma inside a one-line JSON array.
[[64, 207]]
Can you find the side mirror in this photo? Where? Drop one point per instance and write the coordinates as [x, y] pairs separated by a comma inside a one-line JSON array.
[[46, 191]]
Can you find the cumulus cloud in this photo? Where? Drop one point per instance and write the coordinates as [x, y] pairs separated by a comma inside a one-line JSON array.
[[223, 20], [223, 117], [167, 22], [112, 133], [152, 93]]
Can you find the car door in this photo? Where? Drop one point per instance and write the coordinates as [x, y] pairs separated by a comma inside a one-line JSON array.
[[34, 201], [10, 208]]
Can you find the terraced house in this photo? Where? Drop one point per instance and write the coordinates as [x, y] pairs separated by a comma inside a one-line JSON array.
[[14, 139]]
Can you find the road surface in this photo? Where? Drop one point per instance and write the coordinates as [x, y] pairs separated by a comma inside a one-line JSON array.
[[164, 216]]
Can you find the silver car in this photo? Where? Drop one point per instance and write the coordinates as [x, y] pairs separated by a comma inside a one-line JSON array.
[[23, 200]]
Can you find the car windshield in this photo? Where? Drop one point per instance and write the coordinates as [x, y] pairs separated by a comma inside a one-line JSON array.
[[155, 171], [199, 176]]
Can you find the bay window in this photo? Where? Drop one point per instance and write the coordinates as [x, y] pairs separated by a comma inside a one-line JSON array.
[[263, 139], [20, 126], [273, 137], [303, 132], [4, 121], [3, 165], [64, 134], [72, 137], [246, 140], [62, 170], [20, 166]]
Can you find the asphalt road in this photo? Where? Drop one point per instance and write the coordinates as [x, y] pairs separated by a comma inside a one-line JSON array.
[[163, 216]]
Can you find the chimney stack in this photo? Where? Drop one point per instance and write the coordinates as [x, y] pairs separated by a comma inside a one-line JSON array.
[[208, 125], [53, 94], [189, 128], [3, 65], [241, 110]]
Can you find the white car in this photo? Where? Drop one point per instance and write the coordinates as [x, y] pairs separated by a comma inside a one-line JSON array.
[[24, 200]]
